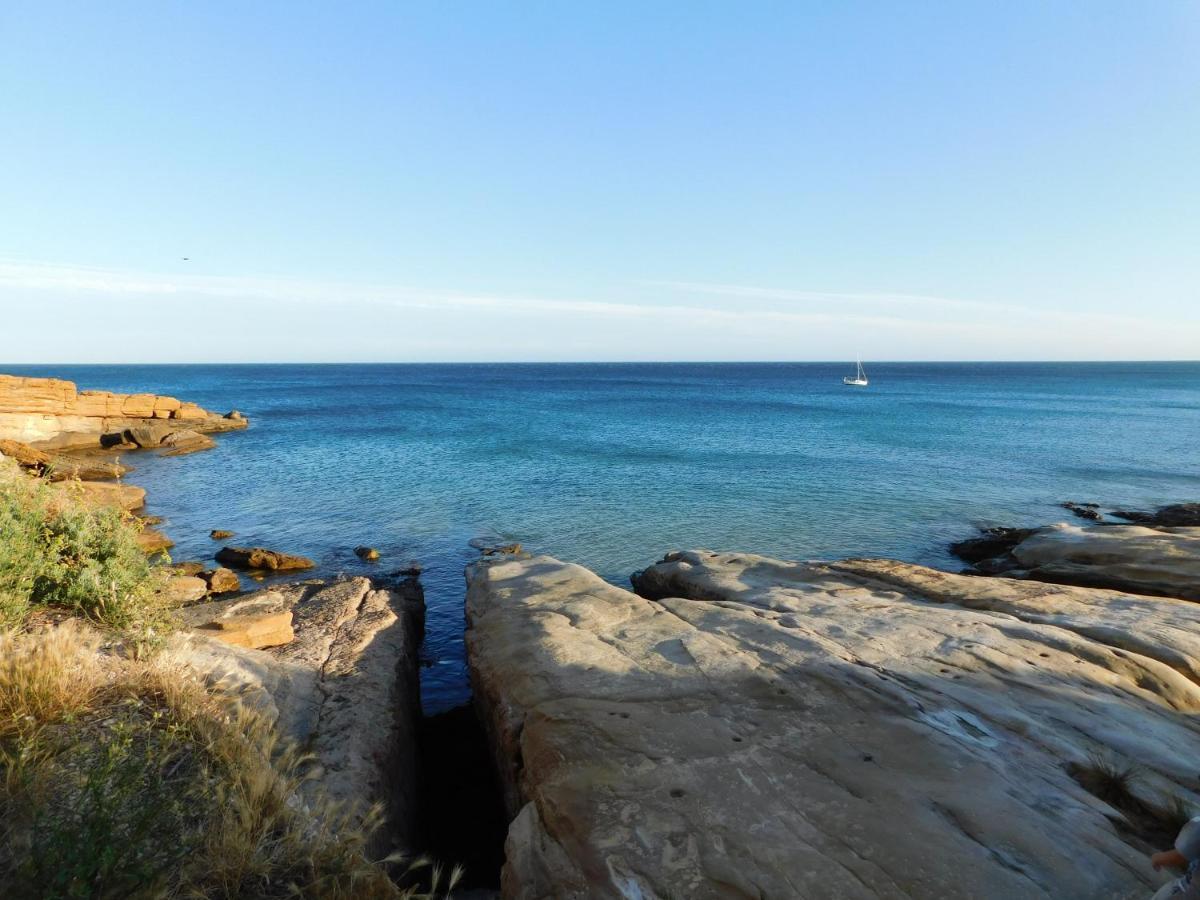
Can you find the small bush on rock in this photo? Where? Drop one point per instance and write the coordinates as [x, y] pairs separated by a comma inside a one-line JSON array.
[[57, 551]]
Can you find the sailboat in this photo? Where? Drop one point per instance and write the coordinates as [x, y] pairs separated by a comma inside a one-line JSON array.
[[860, 377]]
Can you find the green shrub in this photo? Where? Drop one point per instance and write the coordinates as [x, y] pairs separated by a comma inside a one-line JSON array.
[[57, 551]]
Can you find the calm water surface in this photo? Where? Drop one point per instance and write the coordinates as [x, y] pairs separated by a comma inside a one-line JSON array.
[[612, 465]]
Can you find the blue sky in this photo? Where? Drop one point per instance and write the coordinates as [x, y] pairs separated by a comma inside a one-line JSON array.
[[544, 181]]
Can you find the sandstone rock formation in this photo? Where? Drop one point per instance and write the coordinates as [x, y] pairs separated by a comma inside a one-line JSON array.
[[221, 580], [56, 466], [152, 540], [53, 413], [366, 554], [263, 620], [857, 729], [125, 497], [183, 589], [1162, 560], [220, 534], [345, 688], [261, 558]]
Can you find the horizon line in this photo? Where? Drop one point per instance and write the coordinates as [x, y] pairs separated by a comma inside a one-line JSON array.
[[608, 362]]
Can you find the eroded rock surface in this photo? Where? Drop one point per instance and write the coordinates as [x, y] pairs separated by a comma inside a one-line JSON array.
[[221, 580], [61, 466], [1161, 560], [856, 729], [344, 688]]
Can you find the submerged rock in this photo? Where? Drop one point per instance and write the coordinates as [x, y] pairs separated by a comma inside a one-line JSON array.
[[261, 558], [368, 554], [992, 544], [856, 729], [490, 547], [1178, 515], [220, 534], [1090, 511]]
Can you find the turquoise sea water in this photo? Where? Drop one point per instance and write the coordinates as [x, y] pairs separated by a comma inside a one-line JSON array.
[[611, 465]]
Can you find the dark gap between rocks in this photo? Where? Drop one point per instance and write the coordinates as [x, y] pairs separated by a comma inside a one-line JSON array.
[[462, 809]]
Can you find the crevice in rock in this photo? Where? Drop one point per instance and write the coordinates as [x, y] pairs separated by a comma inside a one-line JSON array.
[[462, 808]]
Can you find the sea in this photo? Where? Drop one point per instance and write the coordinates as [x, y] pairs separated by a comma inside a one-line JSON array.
[[612, 465]]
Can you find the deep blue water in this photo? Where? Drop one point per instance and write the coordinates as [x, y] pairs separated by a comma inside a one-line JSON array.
[[611, 465]]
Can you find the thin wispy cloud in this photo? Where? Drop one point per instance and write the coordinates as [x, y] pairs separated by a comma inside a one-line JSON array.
[[671, 319], [17, 275], [912, 303]]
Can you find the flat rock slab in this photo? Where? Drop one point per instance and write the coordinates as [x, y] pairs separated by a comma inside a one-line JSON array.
[[345, 688], [98, 494], [183, 442], [259, 621], [55, 466], [1162, 560], [182, 589], [855, 730]]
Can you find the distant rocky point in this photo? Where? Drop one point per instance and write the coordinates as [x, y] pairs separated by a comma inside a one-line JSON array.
[[53, 414], [56, 432]]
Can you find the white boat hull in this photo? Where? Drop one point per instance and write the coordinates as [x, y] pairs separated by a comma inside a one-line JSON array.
[[856, 382]]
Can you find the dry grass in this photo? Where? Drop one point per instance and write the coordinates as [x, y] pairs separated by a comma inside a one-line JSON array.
[[122, 778], [1156, 822]]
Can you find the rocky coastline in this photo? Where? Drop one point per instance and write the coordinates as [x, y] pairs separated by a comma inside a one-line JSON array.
[[731, 725], [745, 726]]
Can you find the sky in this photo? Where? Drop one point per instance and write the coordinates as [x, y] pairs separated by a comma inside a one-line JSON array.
[[487, 181]]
